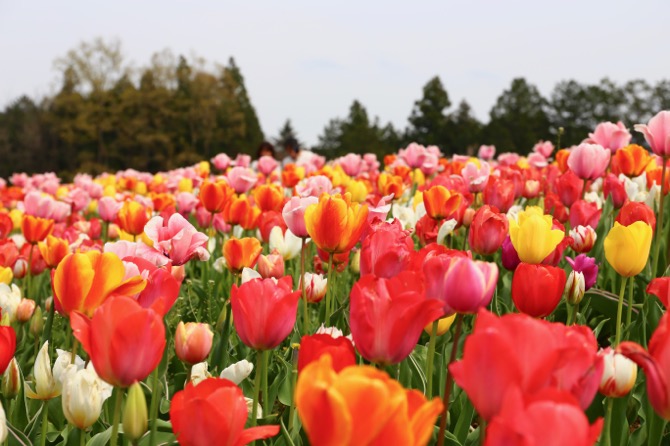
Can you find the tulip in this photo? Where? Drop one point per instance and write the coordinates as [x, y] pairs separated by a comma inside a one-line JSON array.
[[587, 266], [264, 311], [4, 431], [223, 420], [589, 161], [271, 265], [575, 287], [386, 250], [36, 323], [619, 374], [240, 211], [441, 203], [135, 416], [269, 197], [613, 188], [660, 287], [361, 405], [6, 275], [291, 175], [11, 380], [388, 184], [499, 192], [124, 341], [241, 179], [631, 160], [634, 211], [267, 164], [533, 237], [509, 256], [36, 229], [221, 161], [488, 230], [627, 247], [315, 287], [535, 355], [476, 177], [108, 209], [83, 395], [132, 217], [53, 250], [583, 238], [193, 341], [241, 253], [443, 325], [7, 346], [656, 133], [294, 214], [340, 349], [25, 310], [177, 239], [237, 372], [583, 213], [215, 196], [82, 282], [537, 289], [486, 152], [335, 223], [569, 188], [387, 316], [611, 136], [46, 387], [286, 244]]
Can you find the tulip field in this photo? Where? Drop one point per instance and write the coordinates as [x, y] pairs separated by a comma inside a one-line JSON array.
[[501, 299]]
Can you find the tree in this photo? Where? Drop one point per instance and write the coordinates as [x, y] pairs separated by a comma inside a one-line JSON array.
[[465, 130], [428, 120]]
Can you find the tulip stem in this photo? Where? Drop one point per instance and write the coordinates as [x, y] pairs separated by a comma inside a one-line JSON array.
[[449, 381], [607, 436], [620, 311], [45, 422], [659, 224], [267, 408], [305, 309], [257, 387], [328, 289], [155, 400], [82, 437], [629, 311], [75, 347], [430, 358], [117, 416]]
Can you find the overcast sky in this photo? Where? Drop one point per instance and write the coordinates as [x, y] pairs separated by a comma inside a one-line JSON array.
[[308, 60]]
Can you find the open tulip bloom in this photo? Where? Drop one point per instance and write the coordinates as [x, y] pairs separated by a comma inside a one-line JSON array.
[[412, 298]]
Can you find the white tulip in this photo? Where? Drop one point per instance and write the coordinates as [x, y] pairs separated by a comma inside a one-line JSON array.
[[237, 372], [83, 396], [250, 274], [199, 373], [46, 386], [62, 363], [446, 229], [288, 244], [10, 298], [3, 425]]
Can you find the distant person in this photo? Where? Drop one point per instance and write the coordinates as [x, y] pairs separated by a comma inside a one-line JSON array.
[[265, 149], [292, 151]]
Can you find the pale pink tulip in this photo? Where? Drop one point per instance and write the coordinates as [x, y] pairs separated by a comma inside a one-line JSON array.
[[544, 148], [242, 160], [610, 136], [314, 186], [486, 152], [186, 202], [476, 177], [221, 161], [537, 160], [266, 164], [351, 164], [657, 133], [241, 179], [178, 240], [589, 161], [294, 214], [508, 159]]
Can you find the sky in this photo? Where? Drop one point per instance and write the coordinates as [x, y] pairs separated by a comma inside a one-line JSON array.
[[307, 60]]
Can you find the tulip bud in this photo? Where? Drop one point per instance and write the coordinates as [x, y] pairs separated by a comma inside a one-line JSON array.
[[83, 395], [575, 287], [583, 238], [25, 310], [11, 380], [619, 374], [315, 287], [193, 341], [47, 304], [355, 264], [135, 416], [271, 265], [20, 268], [531, 189], [238, 371], [468, 216], [443, 325], [36, 323], [45, 385]]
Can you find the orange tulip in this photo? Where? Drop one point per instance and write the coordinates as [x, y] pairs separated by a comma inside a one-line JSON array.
[[631, 160], [441, 203], [562, 160], [132, 217], [335, 223], [269, 197], [53, 249], [654, 176], [291, 175], [83, 281], [240, 253], [163, 201], [390, 184], [240, 211], [215, 196], [361, 405], [36, 229]]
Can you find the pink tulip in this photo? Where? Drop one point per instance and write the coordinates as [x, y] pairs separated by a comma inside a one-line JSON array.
[[294, 214], [242, 160], [38, 205], [537, 160], [186, 202], [266, 164], [657, 133], [508, 159], [351, 164], [476, 177], [314, 186], [414, 155], [124, 249], [589, 161], [221, 161], [544, 148], [371, 164], [78, 199], [178, 240], [463, 285], [108, 208], [271, 265], [386, 251], [610, 136], [486, 152], [241, 179]]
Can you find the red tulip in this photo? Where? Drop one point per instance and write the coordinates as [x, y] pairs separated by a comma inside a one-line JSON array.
[[569, 188], [554, 206], [386, 250], [7, 346], [387, 316], [488, 230], [633, 211], [426, 229], [660, 287], [124, 340], [214, 412], [264, 311], [340, 349], [537, 289], [499, 192], [516, 350], [584, 213], [162, 288], [613, 187]]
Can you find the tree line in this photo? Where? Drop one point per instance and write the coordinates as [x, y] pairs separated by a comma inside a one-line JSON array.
[[174, 112]]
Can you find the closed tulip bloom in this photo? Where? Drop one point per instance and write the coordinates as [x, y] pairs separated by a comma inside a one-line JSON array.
[[634, 211], [499, 192], [124, 341], [586, 265], [241, 179], [657, 133], [240, 211], [222, 414], [388, 184], [269, 197], [237, 372], [264, 311], [25, 310], [533, 237], [387, 316], [294, 214], [177, 239], [614, 188], [335, 223], [583, 238], [83, 281], [7, 346], [461, 284], [36, 229], [286, 244], [108, 209], [361, 405], [271, 265], [611, 136], [660, 287], [575, 287], [46, 387], [619, 374], [193, 341], [488, 230], [53, 250], [441, 203], [476, 176], [340, 349], [132, 217], [12, 380], [569, 187], [386, 250], [316, 286], [83, 395], [135, 413], [631, 160], [584, 213], [443, 325], [589, 161], [627, 247], [241, 253], [537, 289], [215, 196]]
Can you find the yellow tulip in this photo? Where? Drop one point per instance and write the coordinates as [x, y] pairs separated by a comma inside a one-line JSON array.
[[6, 275], [532, 235], [627, 247], [443, 325]]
